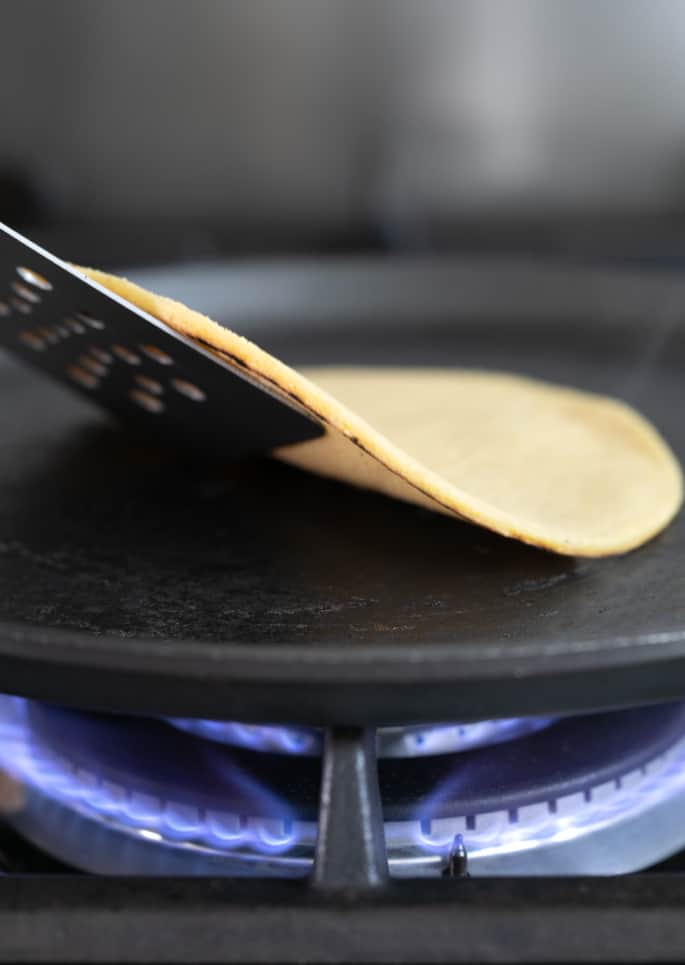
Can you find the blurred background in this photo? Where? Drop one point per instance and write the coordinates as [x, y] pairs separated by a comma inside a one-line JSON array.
[[152, 131]]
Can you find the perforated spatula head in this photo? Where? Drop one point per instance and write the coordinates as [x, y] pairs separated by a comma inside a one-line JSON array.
[[167, 384]]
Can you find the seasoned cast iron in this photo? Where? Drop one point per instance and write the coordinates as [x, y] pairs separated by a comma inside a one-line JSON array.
[[148, 579]]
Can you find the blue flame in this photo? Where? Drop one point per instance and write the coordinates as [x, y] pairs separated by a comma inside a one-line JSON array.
[[392, 741], [32, 763], [455, 738], [129, 809], [548, 822], [255, 737]]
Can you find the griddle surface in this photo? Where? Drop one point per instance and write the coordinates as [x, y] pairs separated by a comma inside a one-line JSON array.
[[140, 580]]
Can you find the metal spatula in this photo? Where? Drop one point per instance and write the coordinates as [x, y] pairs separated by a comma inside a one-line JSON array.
[[131, 363]]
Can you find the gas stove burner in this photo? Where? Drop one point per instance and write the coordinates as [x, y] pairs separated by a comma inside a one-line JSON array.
[[600, 794], [392, 741]]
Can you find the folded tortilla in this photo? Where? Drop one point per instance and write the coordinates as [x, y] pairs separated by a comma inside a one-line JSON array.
[[568, 471]]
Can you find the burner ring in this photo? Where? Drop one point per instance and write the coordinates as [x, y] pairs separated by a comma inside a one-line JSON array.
[[92, 798], [392, 741]]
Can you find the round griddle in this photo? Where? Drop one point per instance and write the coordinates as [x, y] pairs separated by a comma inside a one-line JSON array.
[[138, 579]]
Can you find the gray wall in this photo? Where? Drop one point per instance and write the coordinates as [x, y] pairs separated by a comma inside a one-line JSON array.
[[326, 110]]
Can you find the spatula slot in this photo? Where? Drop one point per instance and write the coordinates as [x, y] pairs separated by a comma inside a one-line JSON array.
[[189, 390], [146, 401], [126, 355], [32, 277], [157, 354]]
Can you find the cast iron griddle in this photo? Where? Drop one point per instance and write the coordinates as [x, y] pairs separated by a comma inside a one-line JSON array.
[[141, 580]]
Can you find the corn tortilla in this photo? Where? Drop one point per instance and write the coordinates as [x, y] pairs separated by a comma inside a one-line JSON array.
[[565, 470]]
